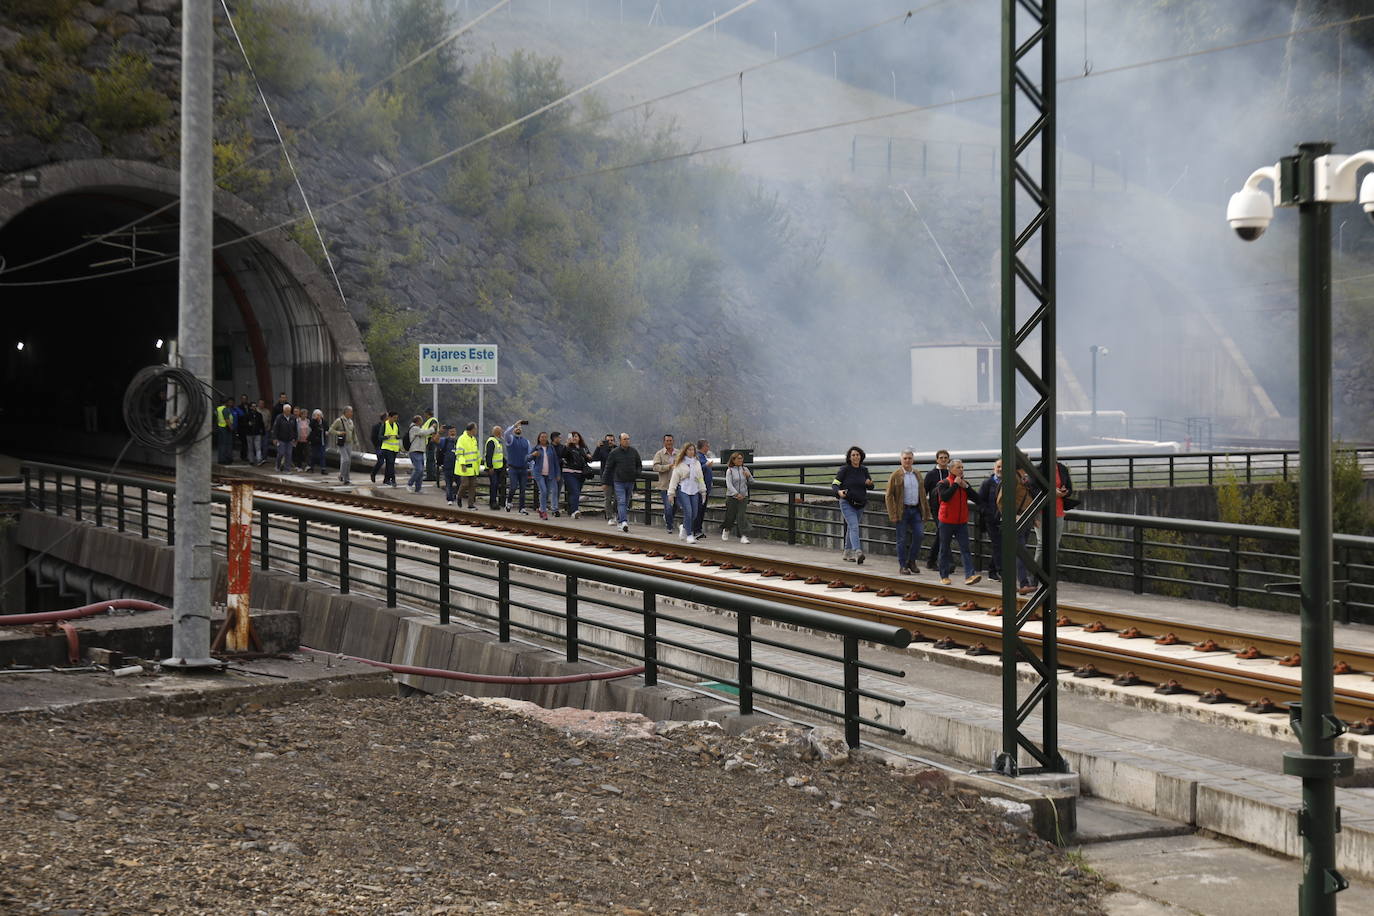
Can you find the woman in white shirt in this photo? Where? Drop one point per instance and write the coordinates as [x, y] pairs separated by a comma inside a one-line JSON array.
[[685, 487]]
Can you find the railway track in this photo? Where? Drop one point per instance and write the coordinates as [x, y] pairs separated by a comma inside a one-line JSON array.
[[1218, 666]]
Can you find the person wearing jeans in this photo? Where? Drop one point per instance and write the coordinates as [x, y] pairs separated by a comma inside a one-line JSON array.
[[419, 435], [622, 468], [544, 465], [685, 486], [517, 461], [851, 486], [954, 493], [664, 459], [905, 501]]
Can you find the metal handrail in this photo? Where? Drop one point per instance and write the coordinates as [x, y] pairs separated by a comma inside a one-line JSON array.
[[850, 631]]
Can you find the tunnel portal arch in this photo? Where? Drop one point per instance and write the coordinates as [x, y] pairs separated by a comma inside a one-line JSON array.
[[279, 322]]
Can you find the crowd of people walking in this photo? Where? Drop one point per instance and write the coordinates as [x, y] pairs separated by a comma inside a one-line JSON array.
[[943, 494], [509, 461]]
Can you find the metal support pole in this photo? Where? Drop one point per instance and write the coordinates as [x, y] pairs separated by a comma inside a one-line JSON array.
[[851, 691], [570, 620], [1314, 719], [650, 639], [503, 601], [443, 587], [195, 319], [744, 638], [1029, 353]]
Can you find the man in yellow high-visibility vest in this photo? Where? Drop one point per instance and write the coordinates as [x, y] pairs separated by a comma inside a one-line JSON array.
[[224, 432], [391, 444], [494, 460], [467, 461]]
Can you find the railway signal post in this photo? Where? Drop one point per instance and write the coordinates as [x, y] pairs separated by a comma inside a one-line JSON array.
[[1312, 180]]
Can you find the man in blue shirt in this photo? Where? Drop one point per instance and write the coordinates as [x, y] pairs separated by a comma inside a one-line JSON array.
[[907, 506]]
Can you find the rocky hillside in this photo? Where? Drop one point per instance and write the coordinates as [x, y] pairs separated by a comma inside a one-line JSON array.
[[629, 285]]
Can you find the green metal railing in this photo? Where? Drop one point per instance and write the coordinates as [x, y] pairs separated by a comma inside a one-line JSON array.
[[406, 564]]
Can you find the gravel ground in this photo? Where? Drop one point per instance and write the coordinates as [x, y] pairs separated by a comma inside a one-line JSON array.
[[444, 805]]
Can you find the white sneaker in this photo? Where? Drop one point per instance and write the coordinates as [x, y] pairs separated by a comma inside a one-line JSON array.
[[611, 521], [624, 526], [691, 539], [744, 540], [681, 531], [577, 513], [725, 535]]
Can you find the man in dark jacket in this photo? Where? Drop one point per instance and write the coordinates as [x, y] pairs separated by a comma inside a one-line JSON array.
[[622, 468], [1063, 490], [603, 450], [990, 518], [284, 434], [377, 445], [933, 478]]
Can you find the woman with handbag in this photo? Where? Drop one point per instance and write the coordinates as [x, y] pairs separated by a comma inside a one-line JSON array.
[[850, 486]]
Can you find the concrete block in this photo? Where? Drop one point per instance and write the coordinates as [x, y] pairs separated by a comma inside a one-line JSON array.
[[1243, 817], [1136, 784]]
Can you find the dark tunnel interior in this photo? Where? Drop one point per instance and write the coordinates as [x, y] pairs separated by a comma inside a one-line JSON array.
[[70, 348]]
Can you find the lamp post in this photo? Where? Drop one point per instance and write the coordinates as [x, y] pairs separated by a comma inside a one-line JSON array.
[[1312, 181], [1096, 351]]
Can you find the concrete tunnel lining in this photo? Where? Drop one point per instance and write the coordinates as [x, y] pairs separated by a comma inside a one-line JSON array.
[[284, 323]]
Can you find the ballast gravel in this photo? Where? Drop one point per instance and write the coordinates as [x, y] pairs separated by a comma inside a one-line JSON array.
[[437, 805]]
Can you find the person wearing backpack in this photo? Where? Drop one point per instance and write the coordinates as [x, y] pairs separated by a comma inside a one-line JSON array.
[[416, 438], [431, 426]]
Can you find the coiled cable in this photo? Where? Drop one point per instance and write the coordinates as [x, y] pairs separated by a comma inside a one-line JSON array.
[[165, 407]]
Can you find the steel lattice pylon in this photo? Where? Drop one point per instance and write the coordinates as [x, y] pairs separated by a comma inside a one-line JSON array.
[[1028, 357]]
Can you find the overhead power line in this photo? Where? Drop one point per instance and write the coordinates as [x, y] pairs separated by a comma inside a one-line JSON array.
[[688, 154], [423, 55]]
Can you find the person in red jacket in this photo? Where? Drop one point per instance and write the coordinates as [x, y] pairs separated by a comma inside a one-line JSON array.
[[954, 493]]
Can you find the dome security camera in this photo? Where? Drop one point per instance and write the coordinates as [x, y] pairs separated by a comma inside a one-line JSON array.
[[1367, 197], [1251, 211]]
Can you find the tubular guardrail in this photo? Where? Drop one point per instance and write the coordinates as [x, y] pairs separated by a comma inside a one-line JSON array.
[[351, 552], [1209, 561]]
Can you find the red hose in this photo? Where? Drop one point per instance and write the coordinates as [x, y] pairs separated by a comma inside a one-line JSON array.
[[90, 610], [488, 678]]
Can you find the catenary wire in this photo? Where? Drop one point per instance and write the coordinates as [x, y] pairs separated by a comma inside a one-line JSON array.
[[737, 74], [452, 36], [443, 157], [901, 112], [295, 176]]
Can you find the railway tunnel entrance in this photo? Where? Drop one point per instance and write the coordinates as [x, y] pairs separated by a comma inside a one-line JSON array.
[[83, 314]]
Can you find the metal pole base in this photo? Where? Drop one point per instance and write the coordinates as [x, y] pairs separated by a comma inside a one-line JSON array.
[[193, 664]]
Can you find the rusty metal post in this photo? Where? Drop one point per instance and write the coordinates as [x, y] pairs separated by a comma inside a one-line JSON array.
[[237, 635]]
